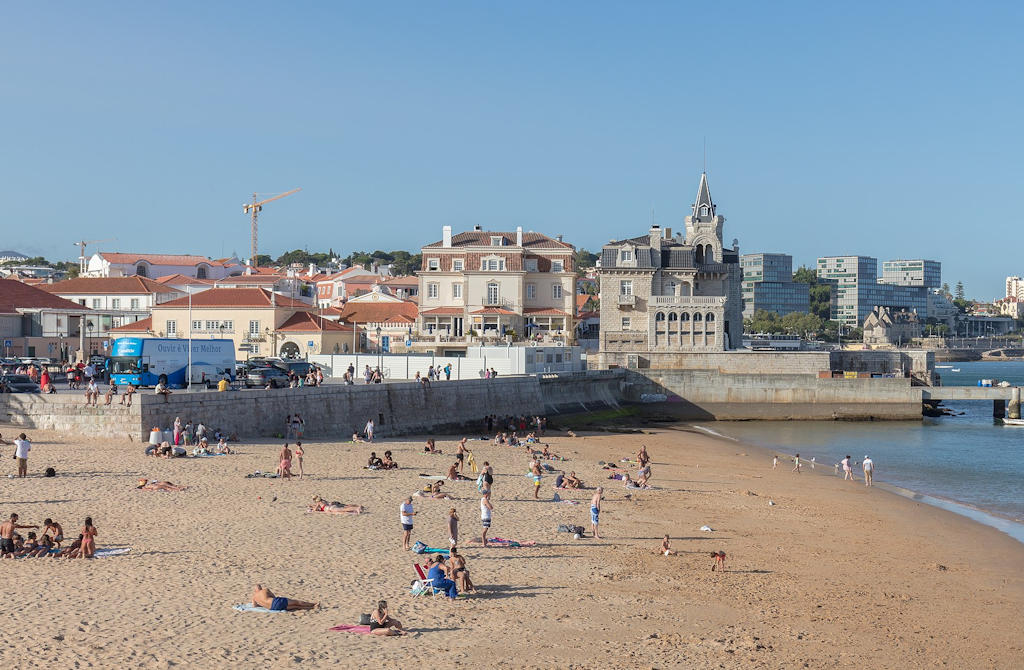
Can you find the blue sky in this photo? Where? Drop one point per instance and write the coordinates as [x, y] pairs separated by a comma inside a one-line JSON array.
[[885, 129]]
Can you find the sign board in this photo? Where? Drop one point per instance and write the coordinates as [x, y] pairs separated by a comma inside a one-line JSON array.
[[385, 343], [245, 347], [310, 344], [106, 344], [8, 343]]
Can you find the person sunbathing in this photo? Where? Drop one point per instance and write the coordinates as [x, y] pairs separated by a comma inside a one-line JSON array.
[[374, 461], [153, 485], [572, 481], [264, 597], [333, 507], [381, 623], [453, 473], [458, 572], [434, 491], [222, 447], [44, 546], [430, 447], [388, 463], [72, 551], [356, 438]]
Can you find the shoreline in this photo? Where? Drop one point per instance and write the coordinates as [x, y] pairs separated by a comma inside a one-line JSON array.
[[991, 518]]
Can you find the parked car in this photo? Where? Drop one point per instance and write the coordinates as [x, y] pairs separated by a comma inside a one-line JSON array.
[[301, 368], [261, 376], [18, 384]]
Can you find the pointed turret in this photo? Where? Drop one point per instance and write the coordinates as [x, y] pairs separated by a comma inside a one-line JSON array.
[[703, 207]]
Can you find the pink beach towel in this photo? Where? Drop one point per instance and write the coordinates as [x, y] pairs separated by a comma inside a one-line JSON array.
[[346, 628]]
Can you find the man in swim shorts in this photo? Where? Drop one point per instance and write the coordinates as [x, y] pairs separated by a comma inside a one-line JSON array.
[[535, 471], [264, 597], [7, 534], [595, 510], [406, 514]]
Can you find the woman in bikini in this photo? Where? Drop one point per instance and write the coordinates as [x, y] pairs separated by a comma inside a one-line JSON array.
[[334, 507], [284, 468], [458, 571], [89, 534], [147, 485], [298, 456], [383, 624]]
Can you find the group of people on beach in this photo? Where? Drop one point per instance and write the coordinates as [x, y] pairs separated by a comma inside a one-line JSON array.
[[867, 467], [46, 544]]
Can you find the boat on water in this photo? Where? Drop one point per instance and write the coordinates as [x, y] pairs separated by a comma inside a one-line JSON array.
[[1013, 422], [944, 367], [955, 370]]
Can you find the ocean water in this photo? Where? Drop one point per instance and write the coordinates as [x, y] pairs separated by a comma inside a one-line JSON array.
[[970, 459]]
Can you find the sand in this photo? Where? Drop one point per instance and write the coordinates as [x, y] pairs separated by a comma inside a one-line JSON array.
[[832, 575]]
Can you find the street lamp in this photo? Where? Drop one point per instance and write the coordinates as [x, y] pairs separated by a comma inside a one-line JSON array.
[[188, 382], [380, 358]]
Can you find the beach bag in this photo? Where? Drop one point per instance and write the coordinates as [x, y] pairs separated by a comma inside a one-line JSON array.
[[419, 548], [50, 472], [364, 619]]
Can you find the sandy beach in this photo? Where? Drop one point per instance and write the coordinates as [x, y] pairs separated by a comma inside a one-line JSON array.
[[831, 575]]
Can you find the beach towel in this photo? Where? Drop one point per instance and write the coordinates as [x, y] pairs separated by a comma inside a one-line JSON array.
[[349, 628], [420, 548], [207, 455], [249, 607], [434, 477], [268, 475], [332, 511], [111, 551]]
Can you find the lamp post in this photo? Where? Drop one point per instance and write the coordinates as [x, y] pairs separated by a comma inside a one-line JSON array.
[[188, 382], [379, 354]]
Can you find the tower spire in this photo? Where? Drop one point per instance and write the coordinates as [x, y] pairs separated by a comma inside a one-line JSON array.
[[703, 199]]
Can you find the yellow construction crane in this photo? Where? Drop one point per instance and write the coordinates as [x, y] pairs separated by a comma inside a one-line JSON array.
[[254, 208], [81, 255]]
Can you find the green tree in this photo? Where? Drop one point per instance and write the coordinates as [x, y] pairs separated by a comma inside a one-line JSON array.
[[805, 275], [583, 259], [945, 289], [960, 295], [819, 292], [264, 260]]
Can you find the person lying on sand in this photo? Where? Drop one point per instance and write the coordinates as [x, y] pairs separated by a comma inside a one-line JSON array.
[[264, 597], [381, 623], [153, 485], [335, 507], [72, 551], [434, 491], [666, 548], [356, 438]]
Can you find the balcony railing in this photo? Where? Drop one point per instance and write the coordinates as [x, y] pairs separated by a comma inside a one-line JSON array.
[[687, 300], [627, 299]]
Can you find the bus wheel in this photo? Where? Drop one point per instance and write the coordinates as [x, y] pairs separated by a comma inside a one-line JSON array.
[[162, 379]]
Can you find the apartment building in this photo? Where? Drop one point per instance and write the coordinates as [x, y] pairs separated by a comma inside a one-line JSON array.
[[857, 290], [113, 301], [768, 285]]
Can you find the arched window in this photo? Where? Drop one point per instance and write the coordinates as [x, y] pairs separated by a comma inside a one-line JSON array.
[[673, 316], [142, 270], [492, 293], [703, 210], [201, 272], [697, 316], [685, 316], [709, 254], [698, 253], [709, 317], [660, 316]]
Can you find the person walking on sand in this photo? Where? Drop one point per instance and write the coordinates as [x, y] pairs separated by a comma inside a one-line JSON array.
[[288, 427], [775, 461], [595, 510], [847, 468], [369, 430], [406, 513], [298, 426], [796, 462], [869, 470], [21, 448], [537, 476], [453, 527], [486, 510]]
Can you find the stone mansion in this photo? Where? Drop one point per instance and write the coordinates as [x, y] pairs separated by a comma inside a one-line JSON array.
[[664, 295]]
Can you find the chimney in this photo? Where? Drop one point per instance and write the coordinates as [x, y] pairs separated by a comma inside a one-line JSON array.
[[273, 298], [519, 236], [312, 269], [558, 237], [477, 228], [656, 237], [446, 236]]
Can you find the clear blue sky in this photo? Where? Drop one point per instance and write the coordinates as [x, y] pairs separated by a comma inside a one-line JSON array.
[[833, 128]]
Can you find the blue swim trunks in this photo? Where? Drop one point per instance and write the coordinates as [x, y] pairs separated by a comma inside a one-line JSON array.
[[593, 514], [279, 604]]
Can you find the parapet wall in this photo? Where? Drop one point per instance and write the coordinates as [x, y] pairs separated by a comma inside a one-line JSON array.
[[705, 394], [331, 411]]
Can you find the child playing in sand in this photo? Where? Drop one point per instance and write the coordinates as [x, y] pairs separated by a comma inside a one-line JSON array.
[[719, 557], [666, 547]]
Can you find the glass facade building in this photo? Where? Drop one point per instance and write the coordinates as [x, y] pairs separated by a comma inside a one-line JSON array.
[[768, 285], [857, 288], [918, 272]]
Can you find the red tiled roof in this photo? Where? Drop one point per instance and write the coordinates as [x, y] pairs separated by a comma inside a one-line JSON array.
[[401, 281], [249, 279], [182, 279], [108, 286], [482, 238], [443, 311], [15, 294], [379, 312], [156, 259], [236, 297], [494, 310], [307, 322], [140, 326], [544, 311]]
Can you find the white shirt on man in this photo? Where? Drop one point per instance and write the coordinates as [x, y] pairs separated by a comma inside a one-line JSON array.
[[405, 512], [22, 447], [868, 465]]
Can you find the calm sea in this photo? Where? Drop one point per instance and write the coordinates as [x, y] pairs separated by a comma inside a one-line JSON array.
[[969, 459]]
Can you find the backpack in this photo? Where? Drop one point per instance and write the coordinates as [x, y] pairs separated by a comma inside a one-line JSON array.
[[50, 472]]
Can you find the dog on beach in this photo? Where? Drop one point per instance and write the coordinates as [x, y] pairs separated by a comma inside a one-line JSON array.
[[719, 557]]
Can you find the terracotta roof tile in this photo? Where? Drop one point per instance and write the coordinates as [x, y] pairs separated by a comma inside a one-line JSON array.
[[494, 310], [307, 322], [156, 259], [443, 311], [182, 279], [482, 238], [235, 297], [15, 294], [544, 311], [140, 326], [380, 312], [108, 286]]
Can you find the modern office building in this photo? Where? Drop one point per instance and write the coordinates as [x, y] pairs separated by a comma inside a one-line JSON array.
[[768, 285], [917, 272], [858, 290]]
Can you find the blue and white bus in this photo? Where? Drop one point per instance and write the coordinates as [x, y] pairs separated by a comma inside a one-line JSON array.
[[145, 361]]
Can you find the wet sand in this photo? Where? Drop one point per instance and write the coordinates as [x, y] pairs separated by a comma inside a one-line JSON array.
[[832, 575]]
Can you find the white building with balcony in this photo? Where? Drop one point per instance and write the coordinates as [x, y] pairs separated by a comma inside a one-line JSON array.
[[666, 295], [495, 285]]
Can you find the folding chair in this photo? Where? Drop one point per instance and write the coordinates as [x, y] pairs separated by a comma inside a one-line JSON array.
[[422, 586]]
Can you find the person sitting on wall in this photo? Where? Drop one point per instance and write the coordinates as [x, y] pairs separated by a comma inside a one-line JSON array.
[[162, 390]]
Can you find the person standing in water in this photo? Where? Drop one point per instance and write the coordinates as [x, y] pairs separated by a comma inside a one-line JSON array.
[[869, 470]]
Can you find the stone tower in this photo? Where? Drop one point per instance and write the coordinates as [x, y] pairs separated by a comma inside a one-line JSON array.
[[704, 226]]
